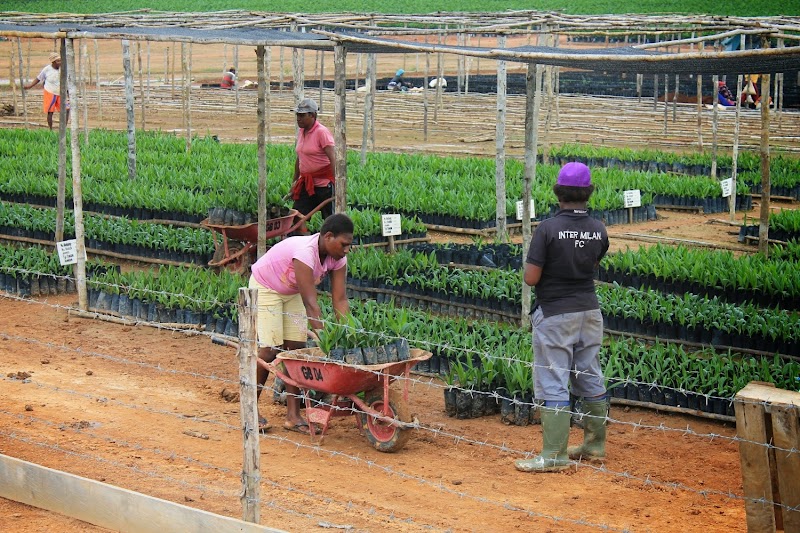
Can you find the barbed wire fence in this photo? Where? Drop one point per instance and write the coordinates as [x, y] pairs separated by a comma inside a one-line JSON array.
[[644, 479]]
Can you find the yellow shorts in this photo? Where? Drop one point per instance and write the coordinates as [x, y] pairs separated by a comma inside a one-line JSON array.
[[281, 317]]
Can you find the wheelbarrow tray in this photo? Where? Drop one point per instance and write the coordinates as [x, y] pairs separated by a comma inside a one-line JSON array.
[[249, 232], [310, 369]]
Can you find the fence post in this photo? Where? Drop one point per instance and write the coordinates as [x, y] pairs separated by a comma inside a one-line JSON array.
[[247, 354]]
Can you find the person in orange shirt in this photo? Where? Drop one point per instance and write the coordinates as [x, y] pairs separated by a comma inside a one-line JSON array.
[[50, 76], [315, 163], [229, 79]]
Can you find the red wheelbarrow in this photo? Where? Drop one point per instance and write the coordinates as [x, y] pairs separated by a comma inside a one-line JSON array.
[[383, 411], [236, 249]]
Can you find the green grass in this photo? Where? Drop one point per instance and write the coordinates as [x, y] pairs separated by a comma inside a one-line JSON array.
[[740, 8]]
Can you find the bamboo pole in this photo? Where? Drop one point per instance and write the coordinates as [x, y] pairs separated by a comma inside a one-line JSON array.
[[766, 185], [373, 88], [280, 74], [127, 68], [77, 195], [340, 127], [547, 37], [439, 76], [61, 193], [173, 68], [262, 152], [500, 147], [675, 98], [248, 401], [714, 126], [533, 96]]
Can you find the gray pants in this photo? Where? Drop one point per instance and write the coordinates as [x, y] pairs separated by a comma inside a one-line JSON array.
[[565, 351]]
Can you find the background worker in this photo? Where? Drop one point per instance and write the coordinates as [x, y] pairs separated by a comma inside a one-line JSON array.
[[315, 163], [286, 278], [229, 79], [564, 253], [50, 76], [724, 95], [397, 83]]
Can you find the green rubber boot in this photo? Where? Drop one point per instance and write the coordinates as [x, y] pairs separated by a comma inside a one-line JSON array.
[[594, 433], [555, 434]]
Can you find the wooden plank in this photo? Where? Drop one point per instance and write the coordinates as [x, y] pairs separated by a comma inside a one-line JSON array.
[[786, 436], [768, 394], [105, 505], [754, 457], [248, 404]]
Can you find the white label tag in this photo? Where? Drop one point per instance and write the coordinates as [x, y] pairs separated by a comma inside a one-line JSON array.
[[727, 187], [519, 210], [67, 252], [632, 198], [391, 225]]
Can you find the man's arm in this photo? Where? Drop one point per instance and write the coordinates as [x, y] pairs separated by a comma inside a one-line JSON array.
[[32, 84], [304, 276], [341, 306], [533, 274]]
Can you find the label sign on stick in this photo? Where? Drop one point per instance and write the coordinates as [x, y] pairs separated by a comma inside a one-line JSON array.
[[391, 225], [67, 252], [519, 210], [632, 198], [727, 187]]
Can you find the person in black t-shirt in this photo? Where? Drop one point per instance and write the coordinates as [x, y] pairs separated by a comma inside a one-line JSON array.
[[563, 256]]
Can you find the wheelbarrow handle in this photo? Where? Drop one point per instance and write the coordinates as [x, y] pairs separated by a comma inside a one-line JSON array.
[[224, 342], [302, 219]]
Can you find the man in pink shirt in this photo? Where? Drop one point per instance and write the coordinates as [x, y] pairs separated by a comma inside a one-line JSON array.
[[315, 163], [286, 278]]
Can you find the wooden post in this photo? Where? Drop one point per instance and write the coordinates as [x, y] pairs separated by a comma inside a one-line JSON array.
[[127, 68], [186, 60], [666, 104], [714, 125], [439, 76], [77, 198], [84, 96], [339, 127], [262, 153], [268, 87], [369, 104], [61, 194], [768, 429], [173, 69], [141, 82], [147, 91], [675, 98], [766, 185], [21, 83], [500, 147], [533, 96], [280, 73], [97, 79], [299, 70], [322, 77], [236, 66], [700, 105], [735, 155], [247, 355], [373, 89], [425, 98]]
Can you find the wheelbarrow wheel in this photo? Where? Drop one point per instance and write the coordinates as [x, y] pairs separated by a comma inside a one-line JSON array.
[[384, 436]]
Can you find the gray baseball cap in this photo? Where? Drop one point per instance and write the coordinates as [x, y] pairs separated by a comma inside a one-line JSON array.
[[307, 106]]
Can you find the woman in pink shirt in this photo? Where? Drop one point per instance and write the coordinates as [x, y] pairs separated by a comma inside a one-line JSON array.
[[286, 278], [315, 163]]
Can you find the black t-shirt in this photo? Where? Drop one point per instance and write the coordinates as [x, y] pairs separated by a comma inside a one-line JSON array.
[[568, 247]]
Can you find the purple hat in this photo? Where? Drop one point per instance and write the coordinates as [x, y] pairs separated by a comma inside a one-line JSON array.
[[574, 175]]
